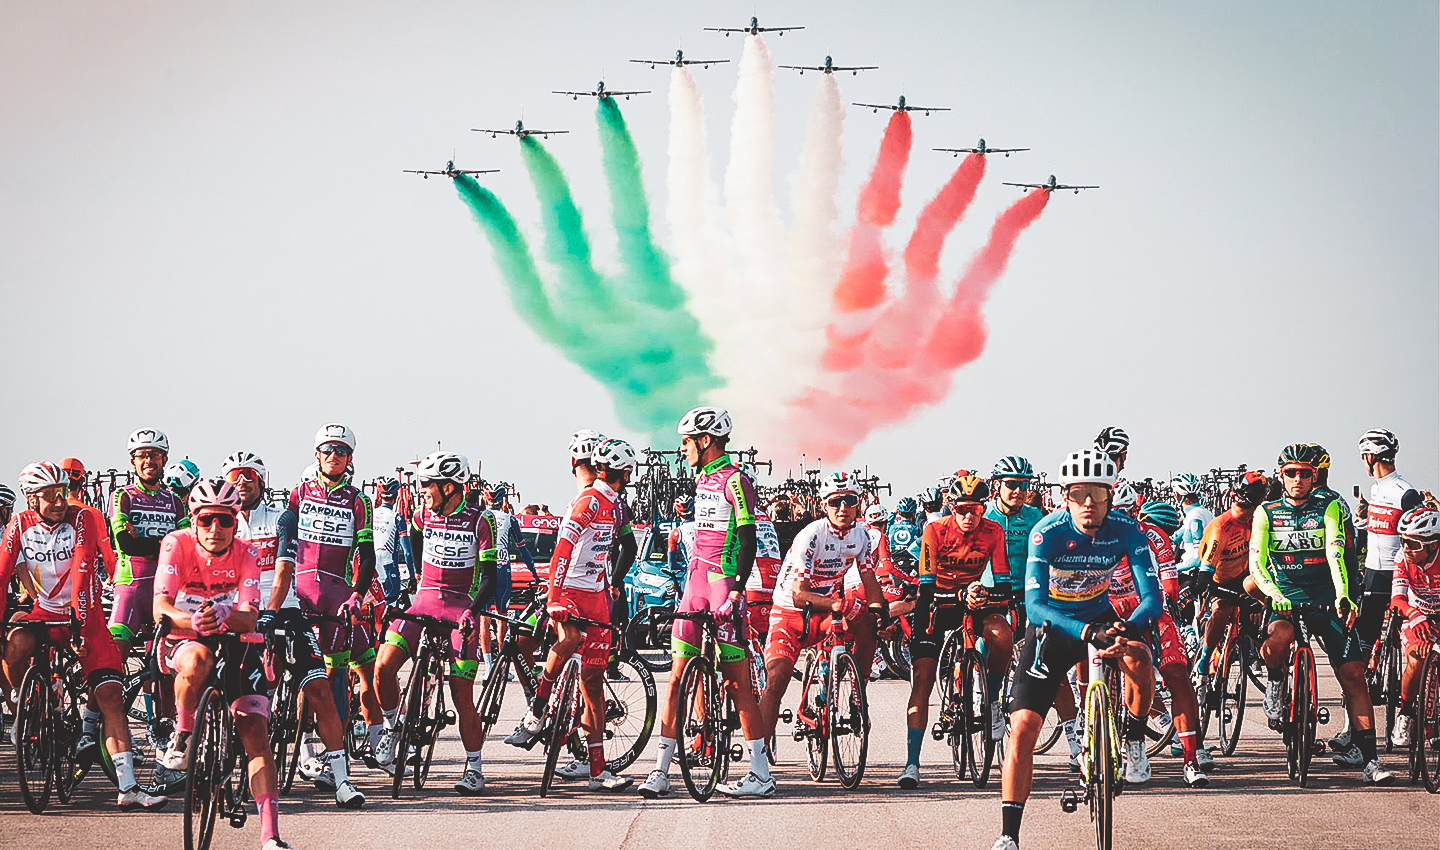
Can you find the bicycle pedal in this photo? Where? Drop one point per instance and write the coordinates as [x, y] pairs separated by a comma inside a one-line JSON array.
[[787, 716], [1069, 801], [1323, 716], [737, 752], [449, 719], [237, 819], [938, 732]]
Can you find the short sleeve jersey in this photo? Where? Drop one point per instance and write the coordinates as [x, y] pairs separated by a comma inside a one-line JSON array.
[[1298, 551], [1418, 584], [191, 576], [950, 559], [1017, 528], [767, 554], [903, 538], [581, 560], [152, 514], [330, 523], [1068, 572], [455, 547], [260, 530], [1225, 548], [725, 500], [58, 561], [1390, 497], [1162, 561], [819, 557]]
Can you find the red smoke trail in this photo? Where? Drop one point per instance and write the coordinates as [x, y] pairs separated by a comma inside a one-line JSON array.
[[860, 288]]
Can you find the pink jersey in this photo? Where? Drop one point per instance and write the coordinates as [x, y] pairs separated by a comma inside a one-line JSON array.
[[191, 576], [582, 551], [819, 557], [724, 500]]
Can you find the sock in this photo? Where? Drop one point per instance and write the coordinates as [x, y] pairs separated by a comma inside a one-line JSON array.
[[663, 754], [90, 720], [185, 722], [269, 808], [373, 733], [472, 761], [489, 659], [542, 691], [1365, 740], [1010, 814], [597, 758], [913, 739], [124, 769], [1134, 727], [390, 717], [1187, 743], [759, 762], [1071, 738], [338, 766]]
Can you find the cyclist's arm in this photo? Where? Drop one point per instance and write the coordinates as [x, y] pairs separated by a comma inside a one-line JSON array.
[[125, 539], [1335, 549], [1039, 607], [247, 598], [167, 587], [285, 545], [625, 559], [1000, 567], [926, 572], [1209, 548], [1147, 586], [9, 555], [487, 559], [577, 520], [1260, 557], [84, 583], [364, 546], [741, 492], [1400, 590]]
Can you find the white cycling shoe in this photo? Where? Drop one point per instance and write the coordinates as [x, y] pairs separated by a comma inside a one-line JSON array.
[[277, 844], [1400, 735], [750, 786], [385, 748], [1195, 777], [176, 758], [138, 798], [910, 777], [1137, 763], [347, 796], [608, 781], [657, 784], [576, 769], [1375, 774], [1004, 842], [471, 782]]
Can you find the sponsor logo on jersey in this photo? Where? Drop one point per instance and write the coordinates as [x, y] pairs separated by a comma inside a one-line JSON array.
[[151, 523], [329, 525]]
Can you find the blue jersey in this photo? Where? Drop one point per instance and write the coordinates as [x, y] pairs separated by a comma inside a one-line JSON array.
[[1067, 574], [903, 536], [1017, 528]]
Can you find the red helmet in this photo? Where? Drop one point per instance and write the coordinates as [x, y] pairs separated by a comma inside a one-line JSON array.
[[75, 469]]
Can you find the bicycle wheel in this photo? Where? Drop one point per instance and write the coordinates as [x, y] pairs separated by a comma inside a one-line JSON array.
[[303, 725], [812, 706], [1303, 711], [654, 655], [1100, 763], [1426, 732], [1050, 731], [357, 736], [435, 720], [975, 711], [492, 695], [412, 704], [150, 734], [564, 712], [70, 767], [1160, 725], [702, 759], [896, 652], [1390, 666], [849, 721], [204, 779], [282, 719], [630, 706], [1234, 682], [34, 751]]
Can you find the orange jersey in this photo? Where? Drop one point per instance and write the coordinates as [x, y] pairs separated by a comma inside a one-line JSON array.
[[1225, 547], [950, 559]]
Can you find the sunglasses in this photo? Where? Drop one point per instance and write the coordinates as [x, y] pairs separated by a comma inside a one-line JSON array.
[[1020, 484], [844, 500], [1414, 545], [343, 451], [235, 475], [1301, 472], [967, 508], [222, 520], [1080, 492]]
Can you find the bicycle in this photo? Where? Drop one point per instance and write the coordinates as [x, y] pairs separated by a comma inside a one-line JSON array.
[[424, 716], [149, 702], [47, 718], [1225, 674], [1425, 733], [965, 702], [1100, 741], [1388, 660], [562, 712], [834, 715], [1301, 710], [216, 780]]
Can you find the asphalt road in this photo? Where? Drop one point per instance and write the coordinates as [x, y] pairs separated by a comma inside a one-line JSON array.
[[1250, 803]]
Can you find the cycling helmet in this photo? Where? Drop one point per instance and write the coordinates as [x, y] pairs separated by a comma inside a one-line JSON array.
[[7, 496], [335, 433], [388, 486], [1185, 484], [1250, 489], [930, 496], [1163, 514], [443, 466], [684, 506], [1112, 441], [41, 474], [497, 494], [148, 438], [1012, 466], [75, 469], [1379, 442], [214, 494], [1123, 496], [1088, 466], [714, 421], [182, 474], [311, 471], [906, 506], [837, 482], [245, 460], [876, 515], [615, 454], [583, 443], [1307, 454], [1322, 460], [968, 488], [1422, 523]]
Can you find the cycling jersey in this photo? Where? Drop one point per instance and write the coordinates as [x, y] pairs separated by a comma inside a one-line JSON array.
[[1351, 537], [903, 538], [819, 557], [258, 527], [1190, 534], [581, 560], [455, 549], [191, 576], [59, 561], [1017, 527], [331, 522], [1068, 572], [1162, 560], [387, 550], [1390, 497], [1416, 587], [151, 514], [767, 555], [1297, 552], [725, 500], [1225, 547], [680, 544], [107, 546], [950, 559]]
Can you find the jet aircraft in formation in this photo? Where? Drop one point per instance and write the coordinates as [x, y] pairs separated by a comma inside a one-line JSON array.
[[902, 106], [600, 92], [753, 29], [520, 131], [830, 67], [451, 171], [982, 150], [680, 61], [1050, 186]]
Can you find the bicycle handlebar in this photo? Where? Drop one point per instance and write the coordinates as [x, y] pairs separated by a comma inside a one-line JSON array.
[[424, 620]]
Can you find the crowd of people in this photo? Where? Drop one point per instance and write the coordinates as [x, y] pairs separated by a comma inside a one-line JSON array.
[[1092, 565]]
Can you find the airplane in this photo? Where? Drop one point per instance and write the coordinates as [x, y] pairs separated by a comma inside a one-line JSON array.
[[1050, 186], [753, 29], [981, 149], [520, 131], [679, 61], [902, 106], [830, 67], [451, 171], [599, 92]]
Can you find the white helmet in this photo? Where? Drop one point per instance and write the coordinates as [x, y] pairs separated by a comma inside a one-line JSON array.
[[1088, 466], [41, 474], [444, 466], [837, 482], [1422, 523], [1123, 495], [1185, 484], [1379, 442], [178, 474], [245, 460], [311, 471], [335, 433], [583, 443], [615, 454], [876, 515], [148, 438], [714, 421]]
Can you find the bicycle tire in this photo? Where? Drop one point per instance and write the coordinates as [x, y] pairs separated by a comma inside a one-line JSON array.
[[1427, 726], [849, 721], [282, 718], [975, 709], [403, 730], [565, 702], [435, 723], [70, 768], [631, 704], [34, 751], [896, 652], [1232, 705], [296, 744], [1100, 759], [492, 695], [817, 745], [702, 759], [148, 733], [655, 656], [357, 737], [1304, 713], [203, 780], [1158, 735], [1390, 681]]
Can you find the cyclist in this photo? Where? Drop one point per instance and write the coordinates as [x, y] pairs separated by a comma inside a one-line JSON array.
[[903, 535], [1390, 497], [1013, 478], [55, 547], [141, 514], [681, 541], [1115, 443], [722, 559], [1195, 517], [583, 444], [180, 476], [931, 501], [1072, 558], [456, 542], [583, 578], [811, 580], [1225, 554], [508, 546], [389, 554], [1416, 598], [1297, 554], [7, 504], [956, 550], [326, 527], [208, 585], [760, 586]]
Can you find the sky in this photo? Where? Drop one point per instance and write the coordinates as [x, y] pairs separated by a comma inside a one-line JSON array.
[[204, 226]]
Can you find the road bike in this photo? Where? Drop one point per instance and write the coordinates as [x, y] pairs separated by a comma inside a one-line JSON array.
[[562, 711], [1224, 676], [1100, 775], [47, 717], [423, 715], [1301, 711], [834, 715], [965, 720], [1425, 732], [148, 698], [217, 783]]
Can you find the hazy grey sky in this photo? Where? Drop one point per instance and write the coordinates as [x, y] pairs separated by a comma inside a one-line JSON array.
[[204, 227]]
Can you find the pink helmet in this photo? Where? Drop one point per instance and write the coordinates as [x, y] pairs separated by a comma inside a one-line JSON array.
[[214, 494]]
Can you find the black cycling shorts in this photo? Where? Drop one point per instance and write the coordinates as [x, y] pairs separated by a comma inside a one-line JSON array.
[[298, 646], [947, 618]]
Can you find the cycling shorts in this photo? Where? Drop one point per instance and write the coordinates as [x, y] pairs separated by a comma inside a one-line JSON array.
[[787, 626], [1165, 642], [102, 662], [133, 607], [946, 618], [1037, 693], [757, 608], [1341, 645], [297, 645], [340, 644], [1408, 641], [706, 591], [591, 605], [432, 602], [500, 599], [1374, 601], [1235, 585], [239, 668]]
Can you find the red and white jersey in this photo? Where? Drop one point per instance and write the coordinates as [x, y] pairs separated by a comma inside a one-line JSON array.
[[57, 562], [767, 555], [582, 549], [820, 556], [1390, 497], [1418, 585], [259, 530], [191, 576]]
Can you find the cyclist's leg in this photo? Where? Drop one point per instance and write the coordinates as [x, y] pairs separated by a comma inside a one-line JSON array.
[[1030, 700], [782, 650], [19, 649], [192, 662], [1414, 651], [244, 688], [1175, 671], [999, 644], [1348, 653], [924, 660]]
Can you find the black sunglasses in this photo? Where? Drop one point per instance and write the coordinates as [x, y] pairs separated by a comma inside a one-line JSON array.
[[843, 500]]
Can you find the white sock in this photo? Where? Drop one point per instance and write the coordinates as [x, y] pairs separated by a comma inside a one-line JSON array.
[[759, 762], [663, 754], [338, 765], [373, 731], [1071, 738], [124, 769], [472, 761], [313, 748], [90, 719], [390, 717]]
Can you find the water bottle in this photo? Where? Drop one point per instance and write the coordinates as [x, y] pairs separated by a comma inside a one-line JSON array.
[[824, 675]]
